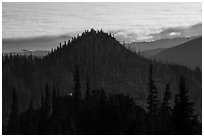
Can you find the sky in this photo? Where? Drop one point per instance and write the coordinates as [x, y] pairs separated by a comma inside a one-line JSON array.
[[127, 21]]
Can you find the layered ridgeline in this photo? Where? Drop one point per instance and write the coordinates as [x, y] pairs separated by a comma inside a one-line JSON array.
[[107, 63], [151, 48], [188, 54], [182, 51]]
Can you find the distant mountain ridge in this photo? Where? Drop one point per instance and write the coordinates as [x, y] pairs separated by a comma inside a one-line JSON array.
[[187, 54], [36, 43], [36, 53], [162, 43], [149, 53]]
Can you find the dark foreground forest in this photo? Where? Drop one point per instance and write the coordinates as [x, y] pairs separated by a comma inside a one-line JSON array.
[[93, 85]]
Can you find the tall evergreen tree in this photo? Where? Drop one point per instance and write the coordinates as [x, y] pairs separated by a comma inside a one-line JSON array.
[[55, 104], [42, 121], [13, 123], [42, 100], [47, 101], [152, 100], [77, 84], [152, 105], [102, 97], [87, 96], [166, 113], [183, 111], [55, 113], [166, 98]]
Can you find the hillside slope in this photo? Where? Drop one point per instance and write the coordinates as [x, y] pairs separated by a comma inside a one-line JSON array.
[[104, 60], [188, 54], [149, 53]]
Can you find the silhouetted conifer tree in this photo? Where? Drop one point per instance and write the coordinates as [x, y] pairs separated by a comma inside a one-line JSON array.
[[55, 113], [77, 84], [55, 104], [13, 123], [47, 101], [166, 113], [166, 98], [42, 100], [102, 96], [87, 96], [152, 102], [183, 111], [42, 120]]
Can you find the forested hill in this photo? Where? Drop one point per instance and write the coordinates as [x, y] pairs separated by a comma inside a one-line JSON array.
[[106, 62]]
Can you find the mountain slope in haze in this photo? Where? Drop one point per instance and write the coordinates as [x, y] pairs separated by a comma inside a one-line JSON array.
[[36, 43], [149, 53], [188, 54], [107, 63], [37, 53], [162, 43]]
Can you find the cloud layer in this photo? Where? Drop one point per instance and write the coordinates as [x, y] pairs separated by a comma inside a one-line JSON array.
[[161, 33], [183, 31]]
